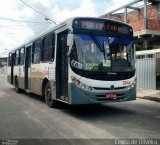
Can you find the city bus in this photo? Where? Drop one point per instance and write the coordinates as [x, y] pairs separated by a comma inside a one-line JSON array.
[[82, 60]]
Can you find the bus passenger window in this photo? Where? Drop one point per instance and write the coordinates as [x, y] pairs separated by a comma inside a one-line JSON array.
[[48, 47], [17, 57], [21, 56], [36, 52]]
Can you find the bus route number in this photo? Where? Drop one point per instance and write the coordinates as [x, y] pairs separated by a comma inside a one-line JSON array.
[[76, 64]]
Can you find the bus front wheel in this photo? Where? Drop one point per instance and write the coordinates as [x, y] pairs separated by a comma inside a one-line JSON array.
[[48, 96]]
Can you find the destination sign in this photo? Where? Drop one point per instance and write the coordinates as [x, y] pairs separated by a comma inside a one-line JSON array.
[[102, 25]]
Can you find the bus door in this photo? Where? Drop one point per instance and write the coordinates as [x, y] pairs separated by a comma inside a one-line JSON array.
[[12, 66], [62, 67], [27, 67]]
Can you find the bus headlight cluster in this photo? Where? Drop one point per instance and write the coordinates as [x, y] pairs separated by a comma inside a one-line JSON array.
[[132, 85], [80, 85]]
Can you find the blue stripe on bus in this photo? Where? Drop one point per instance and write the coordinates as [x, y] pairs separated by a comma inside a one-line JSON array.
[[105, 39]]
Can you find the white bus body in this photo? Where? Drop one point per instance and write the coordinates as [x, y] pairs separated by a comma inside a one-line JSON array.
[[80, 61]]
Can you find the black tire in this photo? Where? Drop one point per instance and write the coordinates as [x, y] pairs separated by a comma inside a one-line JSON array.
[[48, 96], [18, 90]]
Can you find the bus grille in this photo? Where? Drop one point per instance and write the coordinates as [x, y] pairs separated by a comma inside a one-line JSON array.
[[118, 88], [111, 77]]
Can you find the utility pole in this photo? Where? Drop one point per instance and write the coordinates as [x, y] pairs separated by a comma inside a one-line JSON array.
[[145, 15], [125, 14]]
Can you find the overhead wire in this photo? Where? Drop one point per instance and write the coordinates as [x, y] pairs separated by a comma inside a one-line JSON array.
[[8, 19], [12, 25], [46, 17]]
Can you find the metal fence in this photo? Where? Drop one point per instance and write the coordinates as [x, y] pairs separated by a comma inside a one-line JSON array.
[[146, 73]]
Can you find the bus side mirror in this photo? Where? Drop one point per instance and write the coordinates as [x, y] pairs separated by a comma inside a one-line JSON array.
[[70, 39]]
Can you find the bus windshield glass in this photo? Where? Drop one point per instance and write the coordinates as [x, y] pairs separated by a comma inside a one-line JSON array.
[[101, 53]]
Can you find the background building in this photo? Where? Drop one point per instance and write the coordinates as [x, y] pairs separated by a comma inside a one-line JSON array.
[[144, 17]]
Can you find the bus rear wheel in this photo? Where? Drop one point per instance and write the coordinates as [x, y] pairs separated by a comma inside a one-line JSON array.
[[48, 96], [17, 86]]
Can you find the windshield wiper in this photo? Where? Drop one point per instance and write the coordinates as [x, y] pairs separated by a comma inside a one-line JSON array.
[[98, 43]]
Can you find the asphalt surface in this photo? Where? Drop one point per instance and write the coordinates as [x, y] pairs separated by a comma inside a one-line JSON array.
[[26, 116]]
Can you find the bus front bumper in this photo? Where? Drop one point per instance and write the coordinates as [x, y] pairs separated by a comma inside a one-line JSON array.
[[79, 96]]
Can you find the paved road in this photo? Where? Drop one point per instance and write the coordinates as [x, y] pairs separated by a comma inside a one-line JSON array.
[[26, 116]]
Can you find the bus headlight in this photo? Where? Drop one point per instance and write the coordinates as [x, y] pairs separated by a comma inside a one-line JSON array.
[[77, 82], [133, 84], [85, 87], [88, 88], [129, 87], [80, 85]]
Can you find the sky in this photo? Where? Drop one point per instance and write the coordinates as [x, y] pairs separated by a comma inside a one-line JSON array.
[[14, 33]]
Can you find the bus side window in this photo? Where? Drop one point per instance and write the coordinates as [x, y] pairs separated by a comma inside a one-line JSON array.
[[17, 57], [36, 51], [48, 47], [21, 56]]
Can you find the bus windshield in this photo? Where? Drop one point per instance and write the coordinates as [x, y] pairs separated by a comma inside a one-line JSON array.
[[101, 53]]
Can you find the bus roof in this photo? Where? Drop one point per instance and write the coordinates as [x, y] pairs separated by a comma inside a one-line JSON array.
[[67, 22]]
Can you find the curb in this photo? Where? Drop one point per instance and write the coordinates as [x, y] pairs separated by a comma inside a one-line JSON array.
[[150, 98]]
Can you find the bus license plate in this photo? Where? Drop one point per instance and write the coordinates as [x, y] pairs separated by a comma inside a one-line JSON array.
[[111, 96]]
